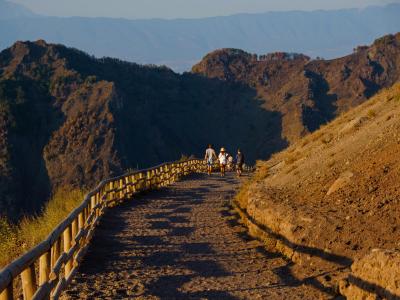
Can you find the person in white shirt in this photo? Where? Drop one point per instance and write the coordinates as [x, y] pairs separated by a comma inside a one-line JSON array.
[[209, 158], [223, 160]]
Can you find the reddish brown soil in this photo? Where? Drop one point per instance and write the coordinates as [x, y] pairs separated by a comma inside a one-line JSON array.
[[184, 243], [337, 190]]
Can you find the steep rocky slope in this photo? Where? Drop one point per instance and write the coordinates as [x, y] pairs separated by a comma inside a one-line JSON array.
[[69, 119], [307, 92], [333, 197]]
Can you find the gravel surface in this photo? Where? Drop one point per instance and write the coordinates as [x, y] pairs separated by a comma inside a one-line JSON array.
[[184, 242]]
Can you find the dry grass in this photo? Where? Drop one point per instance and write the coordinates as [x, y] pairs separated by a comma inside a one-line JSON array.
[[262, 171], [371, 114], [292, 157], [17, 239], [242, 197], [291, 168], [327, 138], [331, 163], [304, 142]]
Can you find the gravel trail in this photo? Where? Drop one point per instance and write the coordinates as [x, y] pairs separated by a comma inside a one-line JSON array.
[[184, 242]]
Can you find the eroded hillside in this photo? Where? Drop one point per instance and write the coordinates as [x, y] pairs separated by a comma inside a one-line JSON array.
[[307, 92], [333, 196], [69, 119]]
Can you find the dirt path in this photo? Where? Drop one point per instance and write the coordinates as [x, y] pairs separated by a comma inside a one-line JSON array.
[[183, 243]]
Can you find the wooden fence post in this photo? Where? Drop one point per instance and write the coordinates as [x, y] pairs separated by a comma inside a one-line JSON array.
[[55, 251], [44, 268], [134, 183], [28, 282], [81, 220], [121, 188], [148, 180], [67, 246], [93, 204], [74, 230]]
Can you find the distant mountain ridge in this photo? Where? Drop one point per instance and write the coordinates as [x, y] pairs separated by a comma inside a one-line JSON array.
[[10, 10], [181, 43], [308, 93]]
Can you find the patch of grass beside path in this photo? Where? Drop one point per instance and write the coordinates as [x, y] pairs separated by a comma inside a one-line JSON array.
[[16, 239]]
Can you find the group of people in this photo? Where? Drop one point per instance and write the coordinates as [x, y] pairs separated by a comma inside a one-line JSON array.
[[225, 160]]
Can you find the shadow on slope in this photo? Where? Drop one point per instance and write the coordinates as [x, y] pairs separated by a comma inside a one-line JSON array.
[[163, 115]]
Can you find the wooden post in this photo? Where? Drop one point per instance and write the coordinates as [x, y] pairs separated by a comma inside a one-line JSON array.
[[7, 293], [67, 246], [81, 220], [55, 251], [167, 175], [98, 199], [121, 187], [74, 230], [153, 177], [28, 279], [110, 186], [157, 178], [134, 183], [93, 204], [142, 181], [148, 179], [127, 190], [44, 268]]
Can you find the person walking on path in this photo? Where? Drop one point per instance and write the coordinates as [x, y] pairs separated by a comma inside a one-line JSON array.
[[209, 158], [239, 162], [223, 160]]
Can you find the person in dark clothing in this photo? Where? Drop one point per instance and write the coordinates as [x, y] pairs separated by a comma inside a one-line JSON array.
[[239, 162]]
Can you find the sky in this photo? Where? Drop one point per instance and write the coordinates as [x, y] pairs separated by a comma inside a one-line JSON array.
[[169, 9]]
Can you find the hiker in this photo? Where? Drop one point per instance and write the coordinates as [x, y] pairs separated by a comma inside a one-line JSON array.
[[209, 158], [223, 160], [239, 162], [230, 162]]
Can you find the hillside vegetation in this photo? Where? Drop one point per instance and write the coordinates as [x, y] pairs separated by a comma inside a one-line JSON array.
[[16, 239], [334, 195]]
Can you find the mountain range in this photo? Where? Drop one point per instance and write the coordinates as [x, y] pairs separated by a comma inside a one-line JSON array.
[[181, 43], [69, 119]]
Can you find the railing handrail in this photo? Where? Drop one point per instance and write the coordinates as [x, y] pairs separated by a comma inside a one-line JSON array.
[[65, 246]]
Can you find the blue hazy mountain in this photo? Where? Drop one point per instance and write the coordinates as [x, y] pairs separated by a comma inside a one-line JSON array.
[[9, 10], [180, 43]]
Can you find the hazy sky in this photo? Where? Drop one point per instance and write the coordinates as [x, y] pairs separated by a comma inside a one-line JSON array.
[[181, 8]]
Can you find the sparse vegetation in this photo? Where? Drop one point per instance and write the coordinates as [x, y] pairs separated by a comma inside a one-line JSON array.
[[371, 114], [17, 239], [291, 168], [262, 171], [327, 138], [331, 163], [292, 157], [304, 142]]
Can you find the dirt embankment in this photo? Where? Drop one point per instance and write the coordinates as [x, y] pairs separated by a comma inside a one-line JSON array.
[[333, 197]]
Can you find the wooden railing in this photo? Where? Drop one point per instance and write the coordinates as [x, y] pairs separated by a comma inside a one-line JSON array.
[[46, 270]]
